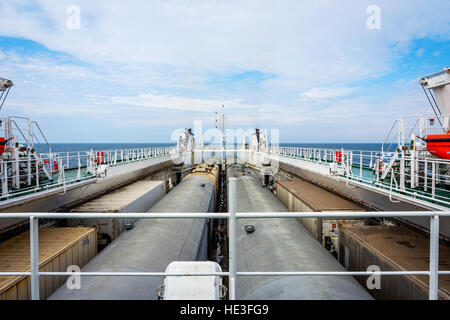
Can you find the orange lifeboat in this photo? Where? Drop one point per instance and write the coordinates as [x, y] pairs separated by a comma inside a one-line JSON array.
[[439, 145]]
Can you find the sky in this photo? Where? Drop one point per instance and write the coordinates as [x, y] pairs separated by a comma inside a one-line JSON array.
[[135, 71]]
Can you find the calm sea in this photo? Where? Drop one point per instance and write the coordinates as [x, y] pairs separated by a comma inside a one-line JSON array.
[[347, 146], [64, 147]]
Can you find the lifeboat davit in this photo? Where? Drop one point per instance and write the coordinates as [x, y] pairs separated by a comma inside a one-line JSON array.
[[439, 145]]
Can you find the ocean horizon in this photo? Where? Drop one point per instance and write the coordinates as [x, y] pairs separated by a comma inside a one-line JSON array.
[[82, 147]]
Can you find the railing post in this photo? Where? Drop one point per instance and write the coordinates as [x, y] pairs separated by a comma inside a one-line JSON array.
[[377, 170], [232, 254], [433, 179], [37, 174], [34, 257], [5, 179], [360, 165], [412, 164], [434, 257]]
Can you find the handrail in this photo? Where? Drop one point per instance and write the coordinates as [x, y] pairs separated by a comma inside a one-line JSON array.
[[67, 159], [412, 129], [360, 159], [388, 135], [232, 217], [42, 134], [12, 121]]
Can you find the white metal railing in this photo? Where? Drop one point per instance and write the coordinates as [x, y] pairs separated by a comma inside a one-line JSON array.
[[416, 176], [28, 165], [40, 172], [413, 175], [232, 218], [409, 127]]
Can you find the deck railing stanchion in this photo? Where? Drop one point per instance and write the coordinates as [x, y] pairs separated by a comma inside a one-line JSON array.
[[34, 257], [37, 174], [232, 254], [434, 257], [433, 180], [360, 165]]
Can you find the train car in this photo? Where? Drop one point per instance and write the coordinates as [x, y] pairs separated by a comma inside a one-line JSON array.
[[152, 244], [282, 245]]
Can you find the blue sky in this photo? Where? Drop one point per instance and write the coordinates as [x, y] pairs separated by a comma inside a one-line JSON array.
[[136, 71]]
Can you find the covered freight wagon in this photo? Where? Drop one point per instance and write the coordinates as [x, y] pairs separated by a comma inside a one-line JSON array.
[[393, 248], [58, 249], [303, 196], [136, 197]]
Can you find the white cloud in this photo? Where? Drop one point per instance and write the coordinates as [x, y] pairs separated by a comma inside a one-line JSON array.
[[322, 41], [163, 55], [326, 93], [150, 100]]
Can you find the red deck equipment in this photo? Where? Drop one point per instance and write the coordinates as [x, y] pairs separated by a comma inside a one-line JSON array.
[[2, 145], [100, 157], [339, 156]]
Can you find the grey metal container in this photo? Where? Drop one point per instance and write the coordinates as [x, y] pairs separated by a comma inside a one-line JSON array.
[[283, 245], [393, 248], [150, 247], [303, 196], [136, 197]]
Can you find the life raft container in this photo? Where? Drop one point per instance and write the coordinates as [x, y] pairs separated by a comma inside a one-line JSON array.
[[100, 157], [338, 156], [439, 145]]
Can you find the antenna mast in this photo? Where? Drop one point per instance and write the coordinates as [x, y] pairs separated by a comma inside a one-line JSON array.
[[224, 139], [220, 124]]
